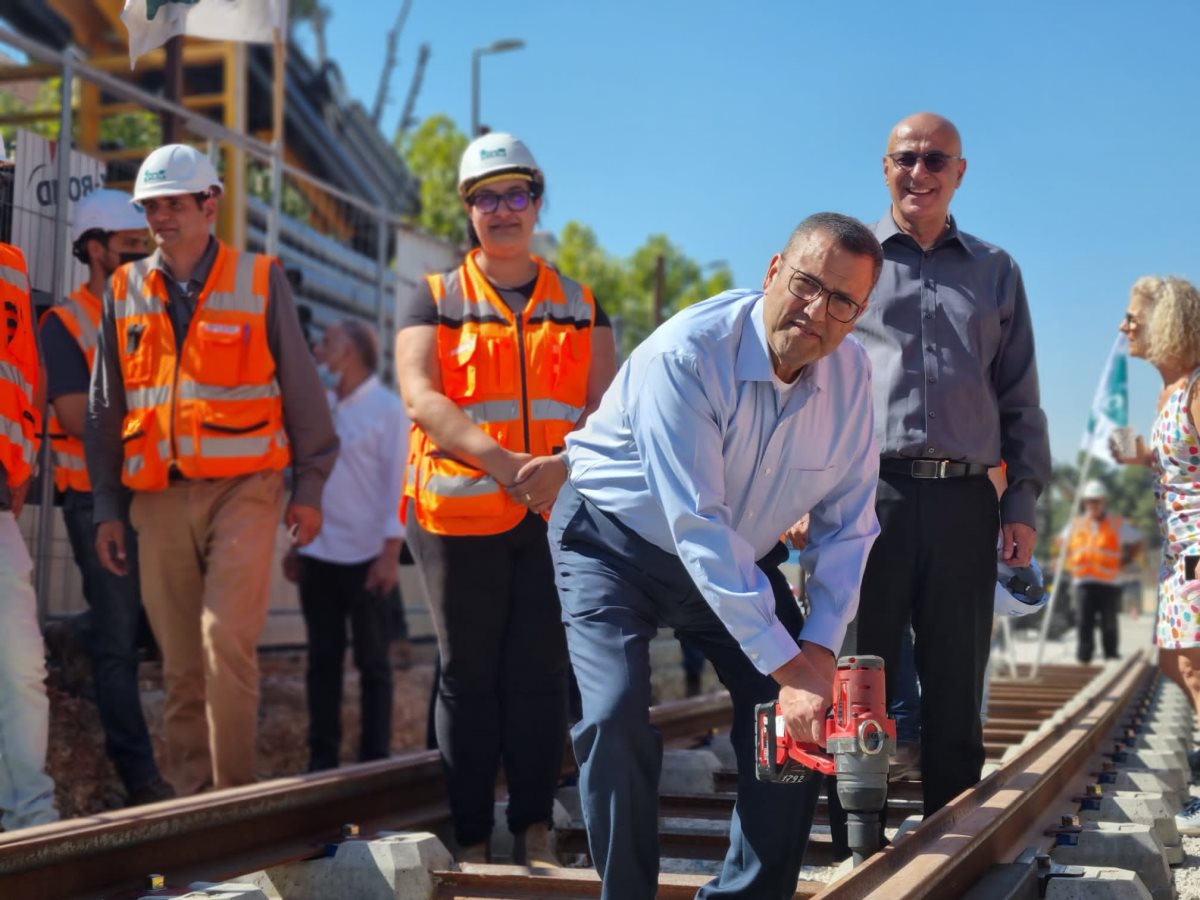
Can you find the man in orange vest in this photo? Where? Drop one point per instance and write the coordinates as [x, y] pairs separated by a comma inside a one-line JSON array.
[[1098, 545], [108, 230], [202, 394], [26, 791]]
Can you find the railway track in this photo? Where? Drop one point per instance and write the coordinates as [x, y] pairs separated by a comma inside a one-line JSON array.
[[1049, 732]]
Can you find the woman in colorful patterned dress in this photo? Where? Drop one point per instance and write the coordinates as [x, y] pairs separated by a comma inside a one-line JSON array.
[[1163, 327]]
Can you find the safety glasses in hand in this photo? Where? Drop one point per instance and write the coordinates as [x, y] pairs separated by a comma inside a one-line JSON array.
[[516, 200]]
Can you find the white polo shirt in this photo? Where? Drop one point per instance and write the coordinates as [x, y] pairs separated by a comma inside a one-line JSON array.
[[361, 502]]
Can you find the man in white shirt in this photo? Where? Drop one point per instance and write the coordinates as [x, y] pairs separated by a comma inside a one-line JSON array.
[[348, 571]]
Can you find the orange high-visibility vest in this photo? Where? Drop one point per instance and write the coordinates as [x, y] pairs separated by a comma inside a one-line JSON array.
[[20, 421], [1094, 551], [215, 410], [80, 315], [522, 380]]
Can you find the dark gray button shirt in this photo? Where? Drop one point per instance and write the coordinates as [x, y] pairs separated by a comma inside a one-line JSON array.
[[306, 417], [951, 345]]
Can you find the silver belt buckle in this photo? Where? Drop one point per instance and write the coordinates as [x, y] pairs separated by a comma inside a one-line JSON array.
[[920, 470]]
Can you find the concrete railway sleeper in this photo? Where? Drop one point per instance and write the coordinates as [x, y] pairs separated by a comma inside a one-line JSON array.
[[1086, 771]]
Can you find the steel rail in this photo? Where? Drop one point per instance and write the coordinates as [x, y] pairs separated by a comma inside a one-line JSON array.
[[954, 848], [225, 833]]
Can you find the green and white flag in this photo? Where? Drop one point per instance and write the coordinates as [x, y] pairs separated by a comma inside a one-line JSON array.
[[151, 23], [1110, 408]]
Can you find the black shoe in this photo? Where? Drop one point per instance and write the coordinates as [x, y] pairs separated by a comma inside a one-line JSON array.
[[153, 791]]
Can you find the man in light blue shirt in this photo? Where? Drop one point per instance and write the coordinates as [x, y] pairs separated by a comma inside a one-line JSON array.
[[730, 422]]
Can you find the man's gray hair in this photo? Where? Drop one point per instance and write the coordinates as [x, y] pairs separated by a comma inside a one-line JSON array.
[[849, 233], [363, 339]]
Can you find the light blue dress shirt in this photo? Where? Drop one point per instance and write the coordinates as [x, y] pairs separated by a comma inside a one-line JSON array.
[[691, 450]]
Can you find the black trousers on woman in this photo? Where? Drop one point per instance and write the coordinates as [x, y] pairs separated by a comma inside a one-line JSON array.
[[502, 694]]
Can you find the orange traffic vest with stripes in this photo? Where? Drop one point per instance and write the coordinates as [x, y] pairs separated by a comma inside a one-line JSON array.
[[80, 315], [214, 410], [523, 380], [20, 423], [1094, 552]]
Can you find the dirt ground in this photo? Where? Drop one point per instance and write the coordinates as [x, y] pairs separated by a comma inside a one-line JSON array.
[[84, 778]]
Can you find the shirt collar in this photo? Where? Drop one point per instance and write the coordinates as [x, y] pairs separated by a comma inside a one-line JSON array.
[[886, 229], [753, 357], [199, 274], [356, 395]]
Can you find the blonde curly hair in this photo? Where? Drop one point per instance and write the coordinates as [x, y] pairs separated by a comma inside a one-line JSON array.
[[1173, 330]]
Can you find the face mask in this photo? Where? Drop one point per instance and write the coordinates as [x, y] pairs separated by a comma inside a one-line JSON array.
[[328, 377], [131, 257]]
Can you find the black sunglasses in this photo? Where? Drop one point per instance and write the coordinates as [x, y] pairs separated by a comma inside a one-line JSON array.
[[517, 199], [935, 160]]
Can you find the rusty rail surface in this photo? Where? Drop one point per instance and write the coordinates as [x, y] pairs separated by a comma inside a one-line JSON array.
[[223, 834]]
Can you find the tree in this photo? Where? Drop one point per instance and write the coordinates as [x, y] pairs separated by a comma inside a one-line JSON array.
[[432, 152]]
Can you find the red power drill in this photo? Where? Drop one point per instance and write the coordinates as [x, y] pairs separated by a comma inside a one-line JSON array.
[[859, 738]]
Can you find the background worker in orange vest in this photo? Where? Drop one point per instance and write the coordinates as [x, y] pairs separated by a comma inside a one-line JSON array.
[[202, 394], [108, 231], [497, 361], [1096, 551], [26, 791]]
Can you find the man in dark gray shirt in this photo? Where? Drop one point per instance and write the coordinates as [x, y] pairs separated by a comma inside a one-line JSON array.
[[203, 391], [955, 380]]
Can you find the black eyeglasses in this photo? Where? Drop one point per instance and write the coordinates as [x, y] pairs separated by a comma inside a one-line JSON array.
[[935, 160], [1128, 319], [516, 200], [808, 289]]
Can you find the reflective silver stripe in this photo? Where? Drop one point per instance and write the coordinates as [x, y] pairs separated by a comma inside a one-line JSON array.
[[410, 474], [218, 446], [88, 333], [69, 461], [194, 390], [134, 464], [555, 409], [241, 298], [573, 305], [455, 305], [461, 485], [15, 277], [11, 373], [12, 431], [147, 397], [135, 302], [493, 411]]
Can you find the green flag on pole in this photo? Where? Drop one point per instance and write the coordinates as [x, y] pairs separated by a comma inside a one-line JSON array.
[[1110, 407]]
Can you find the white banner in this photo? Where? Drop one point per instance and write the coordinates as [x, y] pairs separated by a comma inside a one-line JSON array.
[[35, 202], [151, 23], [1110, 406]]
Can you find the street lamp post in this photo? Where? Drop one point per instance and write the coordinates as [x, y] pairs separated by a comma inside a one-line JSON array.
[[502, 46]]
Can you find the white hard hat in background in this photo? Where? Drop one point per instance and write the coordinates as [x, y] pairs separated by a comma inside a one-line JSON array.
[[495, 155], [1019, 592], [175, 169], [1095, 490], [107, 210]]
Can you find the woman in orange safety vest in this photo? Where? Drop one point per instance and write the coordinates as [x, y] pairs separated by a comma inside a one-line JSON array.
[[497, 359]]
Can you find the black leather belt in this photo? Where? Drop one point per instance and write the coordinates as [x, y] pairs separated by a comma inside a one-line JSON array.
[[930, 468]]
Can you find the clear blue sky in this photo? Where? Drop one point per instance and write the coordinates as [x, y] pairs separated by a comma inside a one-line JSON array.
[[723, 125]]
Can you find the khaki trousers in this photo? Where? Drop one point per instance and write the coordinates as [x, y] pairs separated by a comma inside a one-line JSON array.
[[206, 551]]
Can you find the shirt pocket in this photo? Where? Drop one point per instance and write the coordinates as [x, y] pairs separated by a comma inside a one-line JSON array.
[[136, 367], [478, 366], [809, 484]]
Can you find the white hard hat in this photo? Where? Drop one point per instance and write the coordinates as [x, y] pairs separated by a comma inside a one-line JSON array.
[[1019, 592], [1095, 490], [107, 210], [495, 155], [175, 169]]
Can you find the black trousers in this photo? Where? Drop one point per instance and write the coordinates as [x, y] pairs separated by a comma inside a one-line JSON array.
[[332, 594], [1097, 602], [934, 564], [502, 694]]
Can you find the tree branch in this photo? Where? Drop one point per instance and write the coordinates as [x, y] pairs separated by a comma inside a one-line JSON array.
[[389, 62]]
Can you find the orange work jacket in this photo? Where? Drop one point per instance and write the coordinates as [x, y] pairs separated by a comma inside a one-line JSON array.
[[80, 315], [523, 380], [20, 422], [214, 410], [1094, 551]]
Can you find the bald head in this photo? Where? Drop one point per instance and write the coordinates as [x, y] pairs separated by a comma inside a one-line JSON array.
[[923, 167], [924, 123]]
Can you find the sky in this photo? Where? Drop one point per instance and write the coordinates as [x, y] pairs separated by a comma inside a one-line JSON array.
[[723, 125]]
